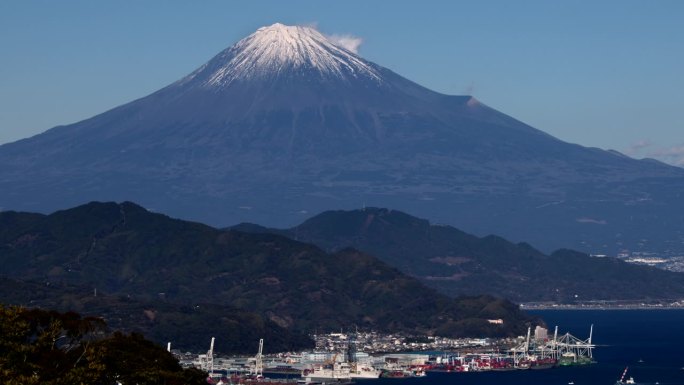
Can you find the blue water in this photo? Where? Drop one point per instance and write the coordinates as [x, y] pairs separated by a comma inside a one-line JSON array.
[[623, 337]]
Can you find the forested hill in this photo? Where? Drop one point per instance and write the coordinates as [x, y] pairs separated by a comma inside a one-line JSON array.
[[187, 327], [125, 250]]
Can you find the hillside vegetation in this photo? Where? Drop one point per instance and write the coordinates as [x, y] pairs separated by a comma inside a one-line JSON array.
[[48, 347], [457, 263], [170, 268]]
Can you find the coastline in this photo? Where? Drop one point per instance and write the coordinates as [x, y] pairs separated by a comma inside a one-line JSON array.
[[665, 304]]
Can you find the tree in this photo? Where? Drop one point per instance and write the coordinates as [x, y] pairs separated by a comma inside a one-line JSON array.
[[48, 347]]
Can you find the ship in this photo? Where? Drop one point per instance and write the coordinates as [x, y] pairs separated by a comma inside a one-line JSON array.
[[572, 359], [362, 370], [402, 373], [622, 380], [543, 363], [339, 371]]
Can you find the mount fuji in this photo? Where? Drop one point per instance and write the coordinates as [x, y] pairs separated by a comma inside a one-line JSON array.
[[285, 124]]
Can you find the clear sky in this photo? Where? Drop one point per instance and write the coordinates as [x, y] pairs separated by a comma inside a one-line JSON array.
[[607, 74]]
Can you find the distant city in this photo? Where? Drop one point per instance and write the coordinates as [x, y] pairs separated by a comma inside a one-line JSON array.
[[666, 261], [606, 305]]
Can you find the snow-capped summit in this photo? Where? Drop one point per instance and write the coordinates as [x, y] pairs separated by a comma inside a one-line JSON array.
[[293, 68], [281, 50]]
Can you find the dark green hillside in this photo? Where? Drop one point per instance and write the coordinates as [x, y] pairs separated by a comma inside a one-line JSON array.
[[187, 327], [125, 251], [47, 347], [457, 263]]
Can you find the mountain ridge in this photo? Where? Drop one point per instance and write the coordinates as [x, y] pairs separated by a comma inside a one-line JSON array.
[[457, 263], [125, 251]]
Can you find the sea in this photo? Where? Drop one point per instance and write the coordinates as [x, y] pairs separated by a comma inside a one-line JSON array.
[[649, 342]]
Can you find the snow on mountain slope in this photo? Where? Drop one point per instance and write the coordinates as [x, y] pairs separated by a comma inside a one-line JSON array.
[[279, 49]]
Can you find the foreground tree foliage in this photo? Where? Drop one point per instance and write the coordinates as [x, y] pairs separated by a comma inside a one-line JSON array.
[[48, 347]]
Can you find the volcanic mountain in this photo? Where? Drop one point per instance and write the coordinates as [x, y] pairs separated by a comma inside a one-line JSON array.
[[286, 123]]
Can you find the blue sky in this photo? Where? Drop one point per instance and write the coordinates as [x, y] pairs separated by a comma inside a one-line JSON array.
[[606, 74]]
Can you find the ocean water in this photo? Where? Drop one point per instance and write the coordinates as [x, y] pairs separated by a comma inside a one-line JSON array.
[[650, 342]]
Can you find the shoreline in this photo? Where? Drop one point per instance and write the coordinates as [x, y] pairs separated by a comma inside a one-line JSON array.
[[527, 307]]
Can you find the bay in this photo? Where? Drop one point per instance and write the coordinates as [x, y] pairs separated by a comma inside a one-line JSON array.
[[650, 342]]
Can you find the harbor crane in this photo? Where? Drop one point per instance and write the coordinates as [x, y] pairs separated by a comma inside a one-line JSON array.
[[567, 349], [206, 361], [258, 368]]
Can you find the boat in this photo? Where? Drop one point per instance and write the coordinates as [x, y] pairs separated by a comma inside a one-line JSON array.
[[281, 369], [571, 359], [340, 371], [418, 371], [622, 380], [307, 381], [402, 373], [393, 374], [543, 363], [361, 370]]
